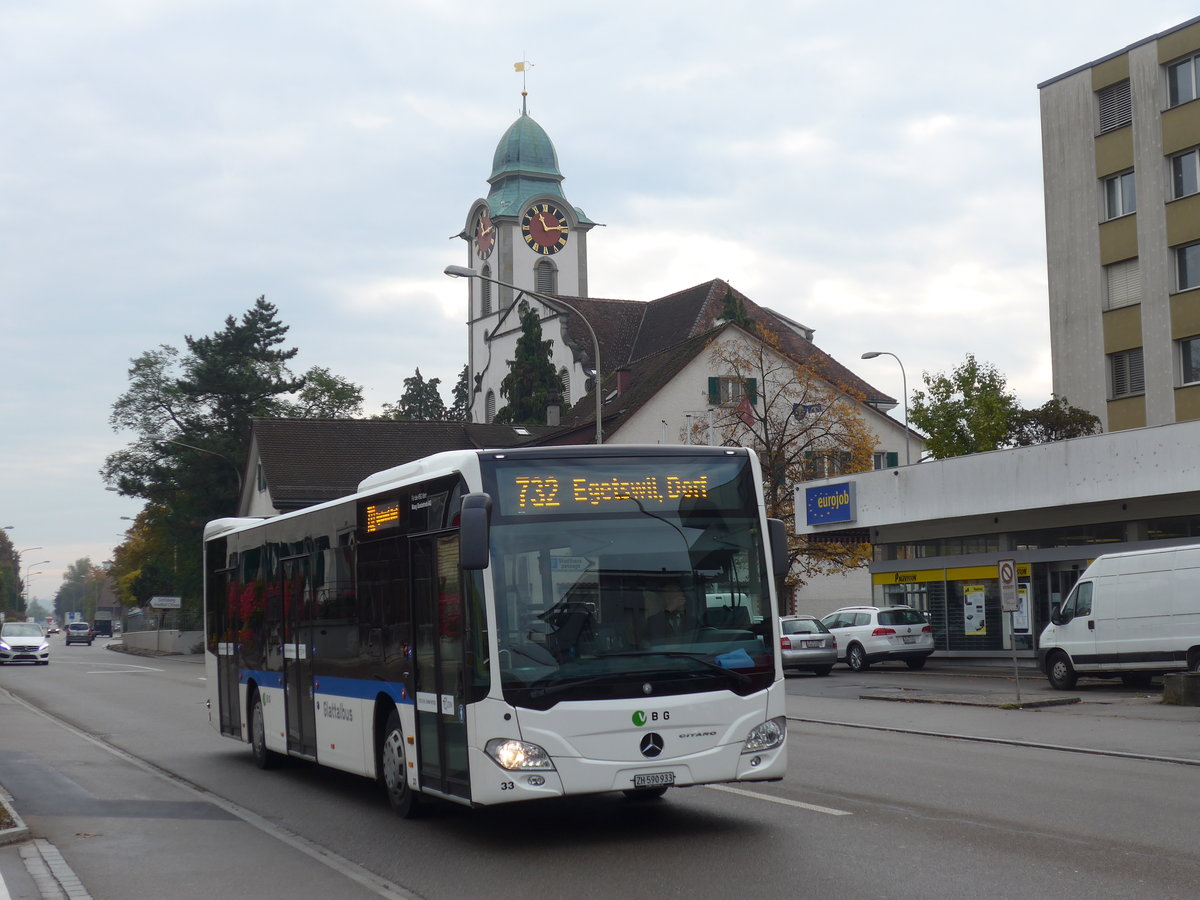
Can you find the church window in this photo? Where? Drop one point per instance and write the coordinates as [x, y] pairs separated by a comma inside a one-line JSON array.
[[547, 277], [489, 407], [485, 292]]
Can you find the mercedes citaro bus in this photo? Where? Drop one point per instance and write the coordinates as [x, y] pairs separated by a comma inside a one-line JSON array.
[[480, 626]]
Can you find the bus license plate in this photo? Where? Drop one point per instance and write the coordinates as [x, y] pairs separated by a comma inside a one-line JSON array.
[[653, 779]]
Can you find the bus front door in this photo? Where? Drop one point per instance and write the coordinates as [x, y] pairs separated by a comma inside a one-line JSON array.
[[440, 621], [297, 657]]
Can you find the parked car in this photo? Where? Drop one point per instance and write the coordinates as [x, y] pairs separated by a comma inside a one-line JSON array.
[[23, 642], [80, 633], [806, 644], [871, 634]]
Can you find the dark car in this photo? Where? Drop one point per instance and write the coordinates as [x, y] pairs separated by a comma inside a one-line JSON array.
[[806, 644], [80, 633]]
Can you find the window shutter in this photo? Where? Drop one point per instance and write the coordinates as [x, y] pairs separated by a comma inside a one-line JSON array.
[[1128, 375], [893, 460], [714, 391], [1137, 376], [1120, 375], [752, 390], [1124, 283], [547, 277], [1115, 106]]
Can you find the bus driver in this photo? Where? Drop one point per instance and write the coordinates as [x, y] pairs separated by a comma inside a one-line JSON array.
[[674, 622]]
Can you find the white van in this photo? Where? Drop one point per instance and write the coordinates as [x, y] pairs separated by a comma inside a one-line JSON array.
[[1131, 615]]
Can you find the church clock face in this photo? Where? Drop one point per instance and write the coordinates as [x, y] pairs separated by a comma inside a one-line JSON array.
[[544, 227], [485, 235]]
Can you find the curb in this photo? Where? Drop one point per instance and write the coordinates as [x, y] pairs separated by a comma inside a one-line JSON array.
[[978, 701], [16, 830]]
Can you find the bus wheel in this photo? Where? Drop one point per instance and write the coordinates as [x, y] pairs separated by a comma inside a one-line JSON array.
[[645, 793], [263, 758], [1060, 672], [394, 768]]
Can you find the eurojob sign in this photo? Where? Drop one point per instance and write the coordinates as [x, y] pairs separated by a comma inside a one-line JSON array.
[[830, 504]]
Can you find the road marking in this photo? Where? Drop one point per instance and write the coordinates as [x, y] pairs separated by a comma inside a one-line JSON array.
[[376, 884], [126, 669], [1037, 745], [783, 800]]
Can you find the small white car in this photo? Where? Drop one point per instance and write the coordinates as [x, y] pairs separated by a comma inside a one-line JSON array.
[[871, 634], [23, 642]]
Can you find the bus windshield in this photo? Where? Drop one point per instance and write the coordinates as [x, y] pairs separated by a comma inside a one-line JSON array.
[[619, 578]]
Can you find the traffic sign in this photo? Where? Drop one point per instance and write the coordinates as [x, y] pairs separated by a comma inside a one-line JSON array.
[[166, 602], [1010, 601]]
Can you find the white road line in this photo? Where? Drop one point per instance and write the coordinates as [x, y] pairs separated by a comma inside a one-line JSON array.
[[346, 867], [783, 800]]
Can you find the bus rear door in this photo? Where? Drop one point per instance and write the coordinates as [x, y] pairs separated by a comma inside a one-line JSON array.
[[297, 656]]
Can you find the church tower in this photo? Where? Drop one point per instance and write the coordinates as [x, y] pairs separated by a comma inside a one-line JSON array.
[[526, 234]]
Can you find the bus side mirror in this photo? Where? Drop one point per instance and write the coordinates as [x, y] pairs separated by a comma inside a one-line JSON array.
[[777, 532], [474, 522]]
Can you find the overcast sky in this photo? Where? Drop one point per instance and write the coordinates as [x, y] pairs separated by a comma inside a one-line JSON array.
[[871, 170]]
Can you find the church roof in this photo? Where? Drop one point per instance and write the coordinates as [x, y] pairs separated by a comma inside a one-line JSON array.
[[525, 165], [525, 149]]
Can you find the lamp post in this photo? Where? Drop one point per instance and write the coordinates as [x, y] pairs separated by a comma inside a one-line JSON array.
[[553, 303], [236, 471], [25, 581], [904, 382]]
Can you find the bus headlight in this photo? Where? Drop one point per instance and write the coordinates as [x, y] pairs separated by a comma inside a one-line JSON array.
[[518, 756], [767, 736]]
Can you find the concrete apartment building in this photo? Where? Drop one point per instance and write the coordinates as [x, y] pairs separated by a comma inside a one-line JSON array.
[[1121, 159]]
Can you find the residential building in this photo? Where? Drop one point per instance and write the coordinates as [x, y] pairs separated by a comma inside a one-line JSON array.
[[1121, 157]]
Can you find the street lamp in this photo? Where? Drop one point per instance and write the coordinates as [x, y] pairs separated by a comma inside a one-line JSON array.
[[553, 303], [236, 471], [904, 382]]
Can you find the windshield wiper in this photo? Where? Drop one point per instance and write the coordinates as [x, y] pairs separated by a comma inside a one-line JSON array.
[[549, 691], [742, 677]]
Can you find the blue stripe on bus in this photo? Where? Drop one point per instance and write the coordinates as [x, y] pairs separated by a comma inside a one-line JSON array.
[[350, 688]]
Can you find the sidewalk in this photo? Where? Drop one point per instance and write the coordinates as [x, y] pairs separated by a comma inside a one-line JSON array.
[[1090, 719], [86, 822]]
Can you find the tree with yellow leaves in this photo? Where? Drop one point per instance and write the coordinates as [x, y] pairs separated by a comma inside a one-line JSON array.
[[802, 425]]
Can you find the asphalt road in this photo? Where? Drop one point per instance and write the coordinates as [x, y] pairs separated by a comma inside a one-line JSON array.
[[920, 796]]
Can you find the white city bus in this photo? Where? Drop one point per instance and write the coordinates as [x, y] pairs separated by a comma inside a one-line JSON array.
[[477, 626]]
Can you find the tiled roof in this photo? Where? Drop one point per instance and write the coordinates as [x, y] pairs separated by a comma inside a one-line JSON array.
[[307, 461], [655, 339]]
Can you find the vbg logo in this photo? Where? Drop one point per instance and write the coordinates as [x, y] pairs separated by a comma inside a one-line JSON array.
[[639, 718]]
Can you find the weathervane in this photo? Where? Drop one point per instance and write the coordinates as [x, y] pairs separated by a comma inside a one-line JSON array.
[[523, 66]]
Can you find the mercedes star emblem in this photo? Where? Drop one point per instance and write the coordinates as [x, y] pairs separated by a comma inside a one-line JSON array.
[[652, 745]]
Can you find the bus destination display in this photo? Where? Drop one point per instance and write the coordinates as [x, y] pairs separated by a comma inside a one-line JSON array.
[[382, 515], [533, 492]]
